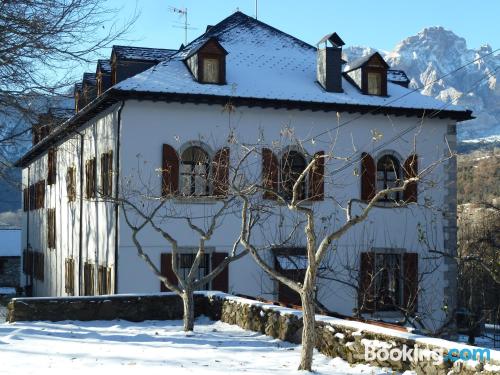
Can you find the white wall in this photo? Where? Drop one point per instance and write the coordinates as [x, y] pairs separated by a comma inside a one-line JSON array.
[[98, 226], [147, 125]]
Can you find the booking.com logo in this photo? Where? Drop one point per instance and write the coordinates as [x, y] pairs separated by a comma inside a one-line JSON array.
[[417, 354]]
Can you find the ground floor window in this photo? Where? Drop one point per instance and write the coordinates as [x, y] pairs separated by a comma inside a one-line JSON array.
[[69, 276], [104, 280], [388, 281], [88, 279], [291, 263]]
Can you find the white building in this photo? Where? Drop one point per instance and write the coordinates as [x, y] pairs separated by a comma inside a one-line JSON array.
[[146, 104]]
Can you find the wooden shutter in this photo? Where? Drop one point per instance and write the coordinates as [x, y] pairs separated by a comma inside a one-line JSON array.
[[410, 194], [166, 270], [220, 172], [51, 228], [410, 283], [270, 170], [32, 197], [51, 166], [70, 276], [109, 270], [88, 279], [366, 292], [26, 199], [170, 171], [368, 175], [317, 178], [221, 281]]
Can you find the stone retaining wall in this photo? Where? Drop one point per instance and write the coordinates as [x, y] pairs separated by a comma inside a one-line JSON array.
[[335, 337]]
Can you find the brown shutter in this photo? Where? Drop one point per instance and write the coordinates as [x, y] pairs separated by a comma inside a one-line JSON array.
[[167, 271], [269, 173], [170, 171], [317, 178], [366, 292], [410, 274], [51, 166], [220, 172], [410, 194], [26, 199], [221, 281], [368, 181]]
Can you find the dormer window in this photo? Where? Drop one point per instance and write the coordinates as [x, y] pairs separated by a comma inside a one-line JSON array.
[[211, 70], [369, 74], [374, 83], [207, 62]]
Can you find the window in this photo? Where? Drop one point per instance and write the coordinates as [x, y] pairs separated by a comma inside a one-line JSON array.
[[71, 184], [51, 228], [211, 70], [292, 165], [374, 83], [69, 276], [388, 175], [32, 197], [88, 279], [40, 194], [107, 173], [187, 260], [104, 280], [51, 167], [38, 265], [388, 280], [194, 172], [28, 262], [26, 199], [90, 178]]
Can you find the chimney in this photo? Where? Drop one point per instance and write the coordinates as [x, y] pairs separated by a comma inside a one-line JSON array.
[[329, 62]]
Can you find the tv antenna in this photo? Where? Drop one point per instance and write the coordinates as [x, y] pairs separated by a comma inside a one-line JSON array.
[[256, 9], [182, 13]]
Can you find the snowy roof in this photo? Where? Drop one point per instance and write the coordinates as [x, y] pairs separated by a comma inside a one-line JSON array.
[[104, 66], [10, 242], [397, 76], [358, 63], [264, 63], [89, 78], [142, 53]]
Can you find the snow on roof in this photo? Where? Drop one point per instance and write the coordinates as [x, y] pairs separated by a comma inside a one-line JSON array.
[[10, 242], [89, 78], [142, 53], [104, 66], [264, 63], [397, 76]]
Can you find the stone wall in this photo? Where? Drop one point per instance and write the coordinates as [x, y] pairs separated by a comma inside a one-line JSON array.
[[335, 337], [10, 271]]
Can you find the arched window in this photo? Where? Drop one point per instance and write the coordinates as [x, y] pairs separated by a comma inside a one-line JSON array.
[[292, 165], [195, 167], [388, 176]]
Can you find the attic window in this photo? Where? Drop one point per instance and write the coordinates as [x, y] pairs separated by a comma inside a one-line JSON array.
[[374, 83], [211, 68]]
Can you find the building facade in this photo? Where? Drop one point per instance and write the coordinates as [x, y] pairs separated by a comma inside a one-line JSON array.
[[163, 126]]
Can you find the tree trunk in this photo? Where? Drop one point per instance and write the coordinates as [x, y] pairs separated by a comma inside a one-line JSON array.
[[188, 301], [308, 330]]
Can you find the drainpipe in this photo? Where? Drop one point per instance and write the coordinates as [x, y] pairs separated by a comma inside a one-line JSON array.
[[117, 180], [80, 244], [28, 280]]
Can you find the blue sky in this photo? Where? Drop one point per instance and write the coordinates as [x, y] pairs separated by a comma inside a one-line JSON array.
[[379, 24]]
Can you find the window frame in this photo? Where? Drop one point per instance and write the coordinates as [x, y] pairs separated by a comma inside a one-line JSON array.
[[51, 228], [91, 178], [193, 175], [284, 175], [51, 166], [383, 183], [71, 184]]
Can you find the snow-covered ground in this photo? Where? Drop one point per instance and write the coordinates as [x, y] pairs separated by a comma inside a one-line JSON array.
[[155, 347]]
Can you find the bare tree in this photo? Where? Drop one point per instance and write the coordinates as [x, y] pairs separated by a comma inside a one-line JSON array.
[[166, 214], [318, 241], [42, 45]]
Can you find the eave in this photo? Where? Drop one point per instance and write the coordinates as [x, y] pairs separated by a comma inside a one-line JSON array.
[[113, 96]]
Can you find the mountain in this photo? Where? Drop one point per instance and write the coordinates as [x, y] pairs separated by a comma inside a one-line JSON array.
[[433, 53]]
